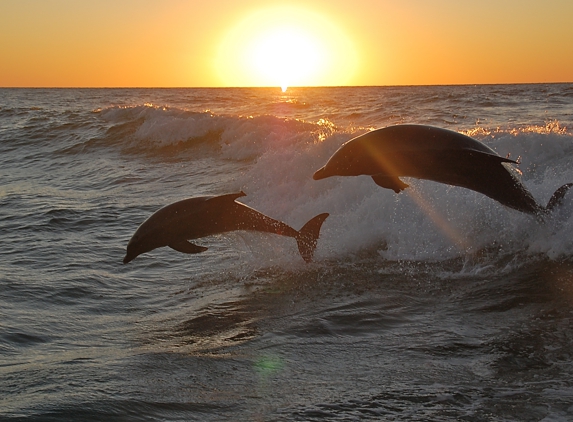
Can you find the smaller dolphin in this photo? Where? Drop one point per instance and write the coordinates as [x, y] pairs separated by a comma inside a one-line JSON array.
[[175, 224], [441, 155]]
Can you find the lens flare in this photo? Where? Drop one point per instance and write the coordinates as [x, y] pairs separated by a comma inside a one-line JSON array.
[[439, 221]]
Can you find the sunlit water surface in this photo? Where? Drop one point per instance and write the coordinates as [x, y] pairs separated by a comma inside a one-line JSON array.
[[395, 319]]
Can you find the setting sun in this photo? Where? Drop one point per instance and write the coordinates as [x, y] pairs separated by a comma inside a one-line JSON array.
[[287, 56], [285, 47]]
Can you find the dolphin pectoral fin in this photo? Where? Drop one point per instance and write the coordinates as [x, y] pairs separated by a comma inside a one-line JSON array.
[[185, 246], [389, 182]]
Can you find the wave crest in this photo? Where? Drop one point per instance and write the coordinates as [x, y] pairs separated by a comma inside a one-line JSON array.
[[152, 127]]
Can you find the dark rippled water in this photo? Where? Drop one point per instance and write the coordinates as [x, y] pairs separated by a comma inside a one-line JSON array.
[[398, 318]]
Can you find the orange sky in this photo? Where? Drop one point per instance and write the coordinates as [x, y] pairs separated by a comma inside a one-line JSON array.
[[152, 43]]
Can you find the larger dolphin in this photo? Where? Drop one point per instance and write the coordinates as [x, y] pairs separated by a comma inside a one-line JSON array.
[[427, 152], [175, 224]]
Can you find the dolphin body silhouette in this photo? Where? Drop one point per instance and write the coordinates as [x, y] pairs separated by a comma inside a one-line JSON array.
[[441, 155], [175, 224]]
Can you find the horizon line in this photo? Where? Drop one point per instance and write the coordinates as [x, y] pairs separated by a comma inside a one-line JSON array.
[[278, 87]]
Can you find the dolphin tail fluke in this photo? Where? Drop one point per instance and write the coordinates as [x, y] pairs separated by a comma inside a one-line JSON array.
[[308, 236], [557, 198]]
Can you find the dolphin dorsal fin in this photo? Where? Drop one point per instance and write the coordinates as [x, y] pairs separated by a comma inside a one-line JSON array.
[[229, 197], [496, 157]]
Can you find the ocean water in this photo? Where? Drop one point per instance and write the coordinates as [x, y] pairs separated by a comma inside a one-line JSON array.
[[434, 304]]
